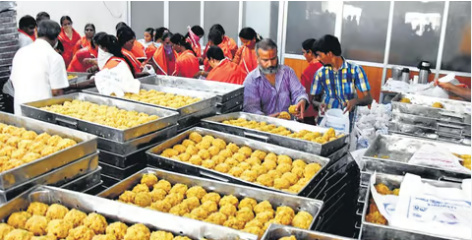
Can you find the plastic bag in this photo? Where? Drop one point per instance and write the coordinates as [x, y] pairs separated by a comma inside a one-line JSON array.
[[149, 69], [335, 118], [431, 155], [385, 203], [434, 210]]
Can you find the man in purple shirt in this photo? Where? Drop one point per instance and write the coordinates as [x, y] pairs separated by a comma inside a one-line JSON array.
[[271, 88]]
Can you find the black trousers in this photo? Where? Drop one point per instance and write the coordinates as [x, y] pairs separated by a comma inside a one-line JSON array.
[[7, 102]]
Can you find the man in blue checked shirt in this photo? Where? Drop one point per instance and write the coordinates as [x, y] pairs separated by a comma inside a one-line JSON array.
[[336, 83]]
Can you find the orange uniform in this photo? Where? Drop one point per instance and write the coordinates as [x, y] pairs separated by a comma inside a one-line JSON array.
[[69, 45], [113, 62], [138, 50], [150, 50], [187, 64], [33, 38], [165, 65], [77, 64], [227, 72], [231, 44], [82, 43], [246, 58], [226, 52], [134, 61], [195, 46]]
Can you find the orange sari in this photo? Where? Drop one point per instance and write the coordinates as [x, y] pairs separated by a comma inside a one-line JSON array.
[[165, 65], [134, 61], [226, 52], [231, 44], [150, 50], [82, 43], [227, 72], [187, 64], [138, 50], [195, 46], [113, 62], [69, 45], [246, 58], [77, 64]]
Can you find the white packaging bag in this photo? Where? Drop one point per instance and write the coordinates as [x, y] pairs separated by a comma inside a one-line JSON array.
[[117, 80], [433, 156], [385, 203], [335, 118], [433, 210]]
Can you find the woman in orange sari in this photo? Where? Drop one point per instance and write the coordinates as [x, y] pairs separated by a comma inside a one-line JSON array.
[[68, 37], [229, 42], [246, 56], [109, 53], [86, 57], [193, 37], [215, 38], [127, 38], [223, 69], [164, 59], [187, 64], [86, 40]]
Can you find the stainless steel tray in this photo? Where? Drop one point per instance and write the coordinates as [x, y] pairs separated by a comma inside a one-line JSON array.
[[85, 182], [138, 143], [311, 206], [275, 232], [86, 144], [453, 111], [298, 144], [224, 91], [116, 211], [183, 167], [426, 133], [166, 117], [57, 177], [431, 123], [381, 232], [81, 77], [207, 100], [193, 119], [400, 149]]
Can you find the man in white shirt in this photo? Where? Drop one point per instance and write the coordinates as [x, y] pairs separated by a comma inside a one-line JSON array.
[[39, 72]]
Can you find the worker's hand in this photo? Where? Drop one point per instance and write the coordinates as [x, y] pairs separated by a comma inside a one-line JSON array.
[[322, 108], [301, 109], [90, 61], [199, 74], [92, 69], [274, 115], [350, 105], [444, 85]]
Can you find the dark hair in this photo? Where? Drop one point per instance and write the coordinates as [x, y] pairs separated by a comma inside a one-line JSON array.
[[112, 45], [215, 36], [119, 25], [179, 39], [96, 37], [326, 44], [219, 28], [308, 44], [266, 44], [166, 35], [27, 21], [216, 53], [160, 33], [49, 29], [42, 16], [150, 31], [198, 30], [249, 34], [89, 25], [59, 46], [124, 34], [63, 18]]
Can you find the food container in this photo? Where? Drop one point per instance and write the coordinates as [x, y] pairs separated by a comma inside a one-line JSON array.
[[382, 232], [116, 211], [154, 159], [79, 77], [85, 182], [121, 173], [166, 117], [311, 206], [57, 177], [276, 232], [86, 145], [326, 149], [207, 100], [416, 131], [400, 149], [453, 111]]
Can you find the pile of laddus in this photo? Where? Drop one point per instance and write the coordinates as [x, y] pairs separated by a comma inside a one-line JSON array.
[[161, 98]]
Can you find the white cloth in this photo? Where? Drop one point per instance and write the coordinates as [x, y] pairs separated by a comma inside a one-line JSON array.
[[102, 58], [36, 70], [144, 43], [24, 40]]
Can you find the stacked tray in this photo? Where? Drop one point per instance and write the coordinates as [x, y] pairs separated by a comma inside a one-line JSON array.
[[276, 232], [122, 152], [311, 206], [382, 232], [189, 115], [326, 149], [155, 159], [229, 98], [452, 123], [398, 150], [115, 211], [57, 168]]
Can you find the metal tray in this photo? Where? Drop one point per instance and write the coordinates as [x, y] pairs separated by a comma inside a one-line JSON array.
[[81, 77], [123, 161], [453, 111], [381, 232], [116, 211], [298, 144], [193, 119], [109, 181], [85, 182], [166, 117], [275, 232], [86, 144], [57, 177], [224, 91], [138, 143], [96, 189], [426, 133], [166, 163], [311, 206], [207, 100], [120, 173], [230, 104], [400, 150], [431, 123]]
